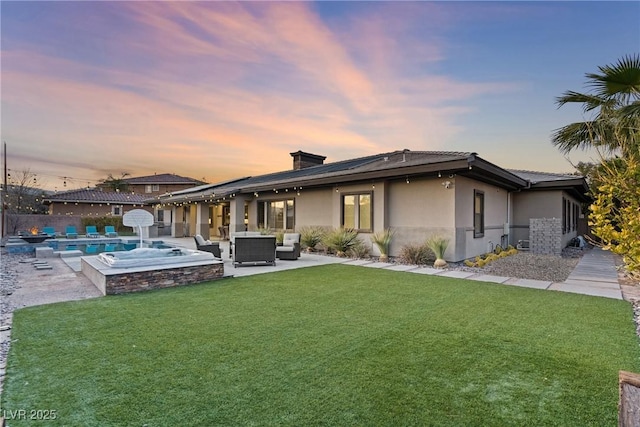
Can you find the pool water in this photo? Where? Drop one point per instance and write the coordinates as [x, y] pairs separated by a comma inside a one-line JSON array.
[[98, 248]]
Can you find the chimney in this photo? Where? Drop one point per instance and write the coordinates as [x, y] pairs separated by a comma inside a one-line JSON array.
[[303, 160]]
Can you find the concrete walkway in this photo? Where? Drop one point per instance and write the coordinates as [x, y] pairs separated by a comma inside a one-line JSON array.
[[594, 275]]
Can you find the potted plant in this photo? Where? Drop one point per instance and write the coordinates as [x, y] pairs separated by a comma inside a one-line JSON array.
[[382, 240], [438, 245]]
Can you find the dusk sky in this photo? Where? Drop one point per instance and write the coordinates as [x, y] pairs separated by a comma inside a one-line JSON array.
[[220, 90]]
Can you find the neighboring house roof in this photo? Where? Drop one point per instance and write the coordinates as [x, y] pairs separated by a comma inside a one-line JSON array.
[[399, 164], [163, 178], [96, 195]]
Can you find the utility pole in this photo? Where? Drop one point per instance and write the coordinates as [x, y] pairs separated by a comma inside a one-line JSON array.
[[3, 195]]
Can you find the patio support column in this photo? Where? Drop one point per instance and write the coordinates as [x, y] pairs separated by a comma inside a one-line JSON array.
[[202, 220], [177, 229], [237, 213]]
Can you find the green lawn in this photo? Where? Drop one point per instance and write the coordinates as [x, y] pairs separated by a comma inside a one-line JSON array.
[[333, 345]]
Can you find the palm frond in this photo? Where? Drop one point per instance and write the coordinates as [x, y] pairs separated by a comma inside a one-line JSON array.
[[620, 80]]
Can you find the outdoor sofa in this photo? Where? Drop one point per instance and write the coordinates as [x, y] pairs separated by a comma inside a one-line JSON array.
[[254, 250]]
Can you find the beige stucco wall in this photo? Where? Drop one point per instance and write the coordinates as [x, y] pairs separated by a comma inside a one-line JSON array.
[[495, 216], [419, 209], [314, 208], [537, 204]]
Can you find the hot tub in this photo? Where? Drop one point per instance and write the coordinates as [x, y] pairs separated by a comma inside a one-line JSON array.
[[145, 269], [143, 257]]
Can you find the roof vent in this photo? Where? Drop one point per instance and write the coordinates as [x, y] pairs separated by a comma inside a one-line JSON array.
[[303, 160]]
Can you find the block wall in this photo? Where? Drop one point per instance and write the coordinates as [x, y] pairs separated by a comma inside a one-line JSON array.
[[545, 236]]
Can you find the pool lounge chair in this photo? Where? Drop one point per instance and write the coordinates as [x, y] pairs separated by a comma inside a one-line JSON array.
[[71, 232], [49, 231], [92, 231], [110, 231]]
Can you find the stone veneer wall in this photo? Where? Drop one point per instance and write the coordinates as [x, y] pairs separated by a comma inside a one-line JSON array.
[[157, 279], [545, 236]]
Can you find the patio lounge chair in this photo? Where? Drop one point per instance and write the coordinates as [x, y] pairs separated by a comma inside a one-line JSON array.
[[110, 231], [208, 246], [290, 248], [92, 231], [49, 231], [71, 232]]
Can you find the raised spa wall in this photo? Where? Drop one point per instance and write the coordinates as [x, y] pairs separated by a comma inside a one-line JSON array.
[[122, 281]]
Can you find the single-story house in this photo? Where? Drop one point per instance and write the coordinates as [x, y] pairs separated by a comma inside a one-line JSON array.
[[459, 195]]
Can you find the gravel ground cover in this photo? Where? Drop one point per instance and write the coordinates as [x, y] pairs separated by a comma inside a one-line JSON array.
[[525, 265]]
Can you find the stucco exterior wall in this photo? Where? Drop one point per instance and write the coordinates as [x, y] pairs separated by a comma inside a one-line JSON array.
[[314, 208], [495, 216], [419, 209], [538, 204]]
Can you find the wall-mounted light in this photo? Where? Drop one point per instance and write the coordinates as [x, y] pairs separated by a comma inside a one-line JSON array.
[[407, 180]]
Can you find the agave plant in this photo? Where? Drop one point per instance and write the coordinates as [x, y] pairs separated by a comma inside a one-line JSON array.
[[438, 245], [382, 240], [310, 237], [341, 240]]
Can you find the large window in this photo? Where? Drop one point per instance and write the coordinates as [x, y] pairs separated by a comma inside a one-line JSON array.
[[357, 211], [478, 213], [276, 214]]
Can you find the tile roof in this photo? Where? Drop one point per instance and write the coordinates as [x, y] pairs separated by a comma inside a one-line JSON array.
[[536, 177], [163, 178], [391, 165], [96, 195]]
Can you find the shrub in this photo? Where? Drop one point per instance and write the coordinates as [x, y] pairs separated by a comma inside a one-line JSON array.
[[310, 237], [340, 240], [101, 222], [359, 250], [416, 254], [382, 240], [438, 245]]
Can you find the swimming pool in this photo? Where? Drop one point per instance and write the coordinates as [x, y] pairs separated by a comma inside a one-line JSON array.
[[91, 248]]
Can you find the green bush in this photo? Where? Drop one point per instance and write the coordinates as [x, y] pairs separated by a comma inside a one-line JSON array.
[[101, 222]]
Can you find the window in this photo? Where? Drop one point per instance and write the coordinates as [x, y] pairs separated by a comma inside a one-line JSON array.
[[357, 211], [160, 215], [478, 213], [276, 214], [116, 210], [151, 188]]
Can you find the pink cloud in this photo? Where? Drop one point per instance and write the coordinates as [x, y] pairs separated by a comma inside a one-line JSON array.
[[213, 89]]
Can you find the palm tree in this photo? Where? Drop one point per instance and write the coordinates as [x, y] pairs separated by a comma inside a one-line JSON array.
[[116, 184], [615, 103]]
